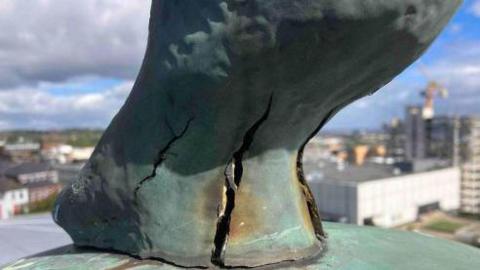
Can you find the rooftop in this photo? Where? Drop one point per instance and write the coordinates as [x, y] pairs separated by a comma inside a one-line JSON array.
[[40, 184], [29, 146], [26, 168], [333, 171], [4, 165], [8, 184], [28, 235]]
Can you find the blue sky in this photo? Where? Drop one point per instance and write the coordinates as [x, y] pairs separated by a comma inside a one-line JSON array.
[[70, 63], [453, 60]]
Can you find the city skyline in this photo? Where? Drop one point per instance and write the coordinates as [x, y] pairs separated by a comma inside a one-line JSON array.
[[71, 65]]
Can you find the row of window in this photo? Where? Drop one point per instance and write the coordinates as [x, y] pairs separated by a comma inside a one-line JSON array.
[[16, 195]]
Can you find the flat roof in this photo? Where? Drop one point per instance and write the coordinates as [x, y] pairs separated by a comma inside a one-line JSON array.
[[330, 171], [9, 184], [4, 165], [28, 235], [27, 168], [325, 170]]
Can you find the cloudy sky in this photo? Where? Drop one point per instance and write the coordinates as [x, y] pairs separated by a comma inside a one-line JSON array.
[[453, 61], [67, 63]]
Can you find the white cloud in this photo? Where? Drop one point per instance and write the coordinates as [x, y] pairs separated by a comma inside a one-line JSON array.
[[455, 28], [52, 40], [457, 68], [68, 46], [47, 44], [476, 8], [29, 107]]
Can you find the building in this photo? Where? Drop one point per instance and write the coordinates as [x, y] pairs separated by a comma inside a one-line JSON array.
[[470, 153], [65, 154], [442, 137], [67, 173], [56, 153], [81, 154], [13, 198], [32, 173], [395, 144], [322, 147], [40, 179], [370, 137], [40, 191], [20, 151], [4, 165], [441, 142], [449, 138], [382, 195], [470, 188], [415, 133]]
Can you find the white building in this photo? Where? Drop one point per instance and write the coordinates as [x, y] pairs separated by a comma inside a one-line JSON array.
[[13, 197], [379, 195], [80, 154], [63, 153], [470, 203]]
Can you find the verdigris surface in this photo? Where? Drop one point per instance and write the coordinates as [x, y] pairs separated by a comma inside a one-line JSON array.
[[350, 248], [202, 165]]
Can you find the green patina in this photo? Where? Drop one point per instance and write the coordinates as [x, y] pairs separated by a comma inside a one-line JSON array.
[[349, 247], [202, 165]]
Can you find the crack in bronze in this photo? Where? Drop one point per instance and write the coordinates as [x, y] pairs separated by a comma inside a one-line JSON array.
[[307, 192], [233, 179], [162, 156]]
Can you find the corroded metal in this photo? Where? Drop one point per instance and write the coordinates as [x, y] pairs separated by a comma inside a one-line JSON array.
[[200, 168], [350, 247]]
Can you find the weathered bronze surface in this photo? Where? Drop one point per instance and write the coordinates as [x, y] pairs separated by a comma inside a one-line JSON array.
[[349, 247], [201, 167]]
